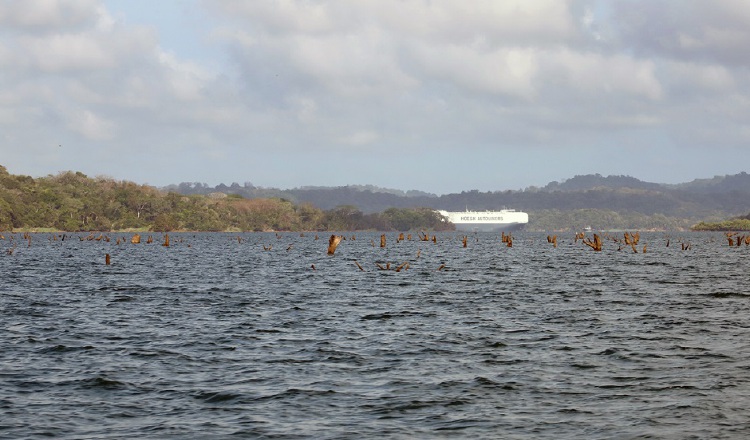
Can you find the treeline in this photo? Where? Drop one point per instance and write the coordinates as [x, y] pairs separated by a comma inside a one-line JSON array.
[[735, 224], [577, 219], [71, 201]]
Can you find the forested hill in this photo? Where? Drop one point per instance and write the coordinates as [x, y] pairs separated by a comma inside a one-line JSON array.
[[719, 184], [716, 198], [597, 181], [71, 201]]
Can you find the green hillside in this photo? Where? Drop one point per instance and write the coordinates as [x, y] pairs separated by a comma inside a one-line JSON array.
[[72, 201]]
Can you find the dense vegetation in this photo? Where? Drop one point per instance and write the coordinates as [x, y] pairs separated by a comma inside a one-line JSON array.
[[612, 202], [734, 224], [71, 201], [555, 219]]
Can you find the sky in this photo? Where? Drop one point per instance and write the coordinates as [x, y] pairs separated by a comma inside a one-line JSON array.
[[435, 95]]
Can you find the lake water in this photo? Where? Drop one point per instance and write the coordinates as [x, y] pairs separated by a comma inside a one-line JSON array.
[[214, 337]]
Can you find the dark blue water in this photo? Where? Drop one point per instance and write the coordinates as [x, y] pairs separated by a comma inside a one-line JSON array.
[[213, 338]]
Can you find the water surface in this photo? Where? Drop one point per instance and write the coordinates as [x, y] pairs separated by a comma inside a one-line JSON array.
[[217, 337]]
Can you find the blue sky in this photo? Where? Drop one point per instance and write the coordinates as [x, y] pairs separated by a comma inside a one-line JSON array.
[[439, 96]]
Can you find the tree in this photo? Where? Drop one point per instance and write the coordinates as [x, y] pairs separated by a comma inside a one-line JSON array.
[[164, 223]]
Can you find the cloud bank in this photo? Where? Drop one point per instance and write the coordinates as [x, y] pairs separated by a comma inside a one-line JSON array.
[[434, 95]]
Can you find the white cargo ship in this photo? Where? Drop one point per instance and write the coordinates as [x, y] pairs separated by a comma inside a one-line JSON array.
[[487, 221]]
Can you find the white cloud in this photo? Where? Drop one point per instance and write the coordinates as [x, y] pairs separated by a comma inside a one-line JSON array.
[[377, 47], [65, 49], [697, 78], [48, 15], [599, 74], [90, 125], [506, 72], [360, 138], [283, 16], [187, 80], [499, 23], [436, 20], [60, 53], [363, 64], [689, 30]]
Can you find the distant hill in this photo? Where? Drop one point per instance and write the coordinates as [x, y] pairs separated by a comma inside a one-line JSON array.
[[593, 199], [719, 184], [579, 192], [372, 189], [597, 181]]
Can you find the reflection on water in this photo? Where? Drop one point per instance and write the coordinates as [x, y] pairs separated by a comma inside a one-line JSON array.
[[215, 336]]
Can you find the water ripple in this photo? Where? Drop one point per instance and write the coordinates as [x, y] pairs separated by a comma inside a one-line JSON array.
[[215, 337]]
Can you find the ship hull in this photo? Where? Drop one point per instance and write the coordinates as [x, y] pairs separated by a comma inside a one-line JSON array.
[[486, 227], [486, 221]]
